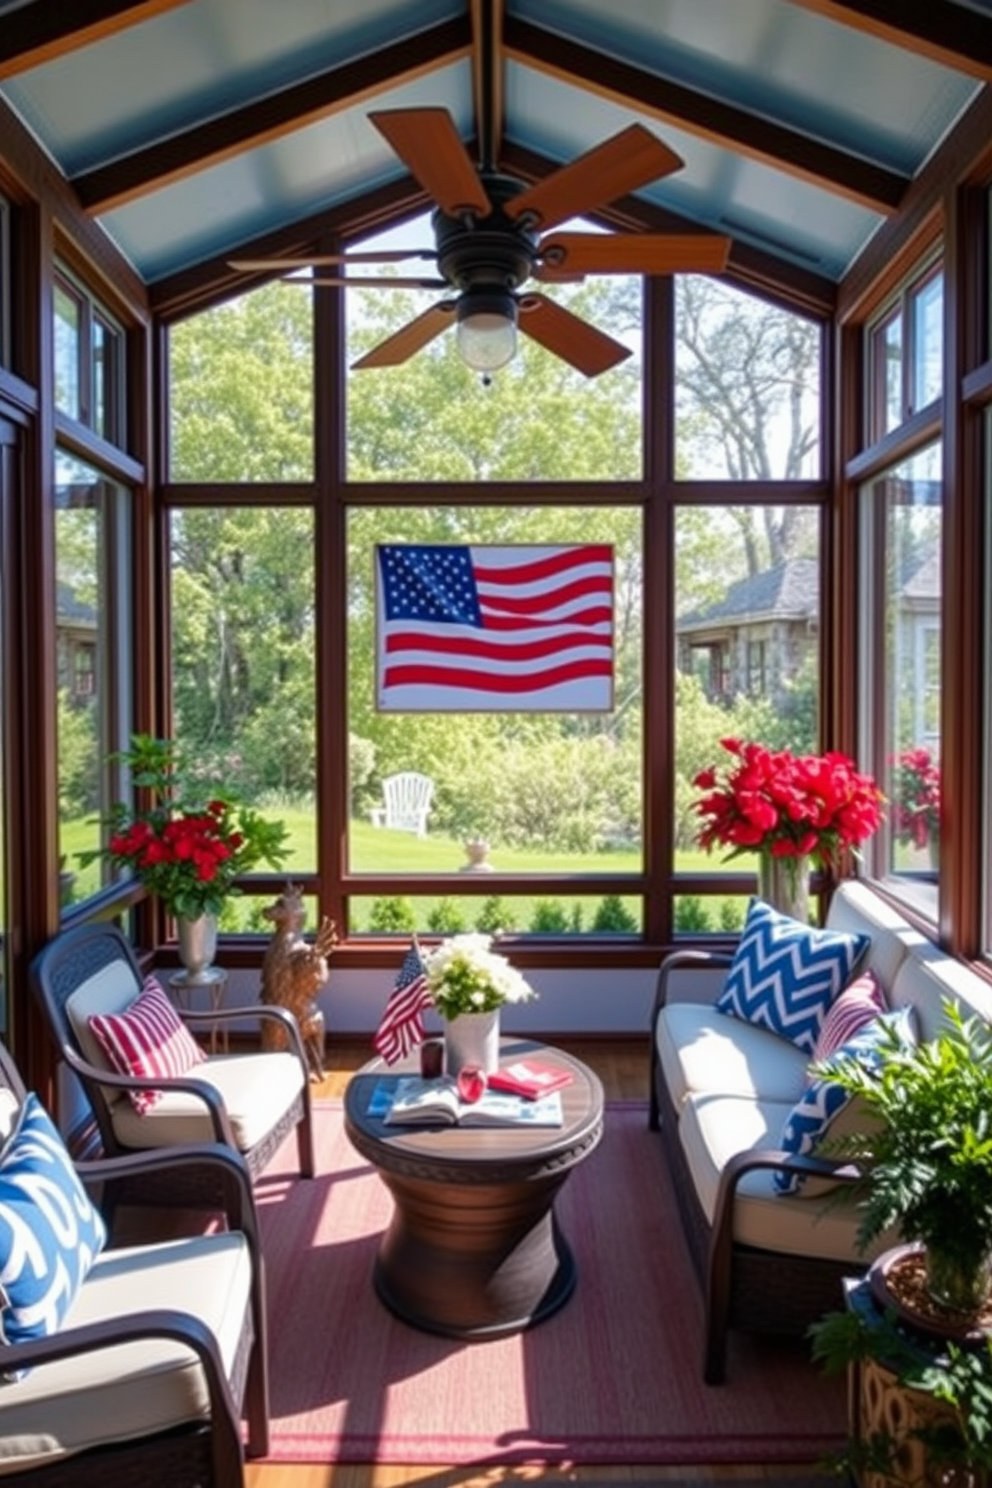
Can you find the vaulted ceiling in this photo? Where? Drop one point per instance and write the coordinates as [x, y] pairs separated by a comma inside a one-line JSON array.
[[191, 128]]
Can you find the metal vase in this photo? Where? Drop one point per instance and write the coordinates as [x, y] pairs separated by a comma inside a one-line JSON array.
[[472, 1038], [197, 945], [784, 884]]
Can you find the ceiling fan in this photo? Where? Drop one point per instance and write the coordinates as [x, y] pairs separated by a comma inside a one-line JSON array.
[[492, 236]]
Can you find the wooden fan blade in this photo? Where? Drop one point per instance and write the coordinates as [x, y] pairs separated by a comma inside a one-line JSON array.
[[634, 253], [574, 340], [368, 281], [410, 339], [427, 141], [620, 164], [320, 260]]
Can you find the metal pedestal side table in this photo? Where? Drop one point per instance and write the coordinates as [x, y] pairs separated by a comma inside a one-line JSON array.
[[212, 980]]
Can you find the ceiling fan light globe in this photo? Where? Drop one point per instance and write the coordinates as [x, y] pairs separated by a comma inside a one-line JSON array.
[[487, 330]]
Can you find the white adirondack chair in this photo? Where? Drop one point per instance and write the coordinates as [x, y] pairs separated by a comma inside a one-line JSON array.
[[407, 799]]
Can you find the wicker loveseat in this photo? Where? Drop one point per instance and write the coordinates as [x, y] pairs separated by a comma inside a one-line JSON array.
[[721, 1092]]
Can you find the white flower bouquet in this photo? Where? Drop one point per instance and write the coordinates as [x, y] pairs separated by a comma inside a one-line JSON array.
[[465, 976]]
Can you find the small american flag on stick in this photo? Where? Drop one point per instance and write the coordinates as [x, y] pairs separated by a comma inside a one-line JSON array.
[[402, 1024]]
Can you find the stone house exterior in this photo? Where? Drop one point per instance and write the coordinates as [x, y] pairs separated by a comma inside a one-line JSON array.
[[756, 638]]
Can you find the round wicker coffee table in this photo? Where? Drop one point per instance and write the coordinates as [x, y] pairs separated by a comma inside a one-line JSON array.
[[474, 1249]]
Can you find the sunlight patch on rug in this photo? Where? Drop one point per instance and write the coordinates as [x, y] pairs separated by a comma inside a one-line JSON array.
[[613, 1378]]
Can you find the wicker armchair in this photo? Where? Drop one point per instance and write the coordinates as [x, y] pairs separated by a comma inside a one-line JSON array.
[[248, 1101], [161, 1349]]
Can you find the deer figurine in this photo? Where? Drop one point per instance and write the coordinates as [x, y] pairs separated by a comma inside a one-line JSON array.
[[293, 971]]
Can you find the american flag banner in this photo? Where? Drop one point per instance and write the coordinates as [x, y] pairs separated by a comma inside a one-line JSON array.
[[402, 1024], [495, 629]]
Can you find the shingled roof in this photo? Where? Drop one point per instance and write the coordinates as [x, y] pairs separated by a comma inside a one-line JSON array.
[[790, 591]]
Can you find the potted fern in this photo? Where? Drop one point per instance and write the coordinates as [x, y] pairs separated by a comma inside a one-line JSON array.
[[917, 1334], [926, 1156]]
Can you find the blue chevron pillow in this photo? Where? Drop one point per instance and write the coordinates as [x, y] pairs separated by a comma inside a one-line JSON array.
[[50, 1233], [810, 1118], [785, 974]]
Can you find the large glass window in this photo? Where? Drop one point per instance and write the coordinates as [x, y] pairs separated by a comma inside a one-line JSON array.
[[68, 338], [748, 386], [747, 592], [903, 521], [94, 624], [89, 362], [928, 341], [241, 389], [243, 672], [522, 790], [886, 360], [905, 354]]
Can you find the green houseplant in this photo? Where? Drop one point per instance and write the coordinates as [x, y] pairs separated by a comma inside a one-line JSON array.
[[927, 1156], [926, 1160]]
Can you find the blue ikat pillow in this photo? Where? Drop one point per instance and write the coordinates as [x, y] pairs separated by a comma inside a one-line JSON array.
[[785, 974], [50, 1232], [822, 1101]]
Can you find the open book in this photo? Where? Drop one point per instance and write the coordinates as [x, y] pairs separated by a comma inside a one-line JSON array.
[[436, 1102]]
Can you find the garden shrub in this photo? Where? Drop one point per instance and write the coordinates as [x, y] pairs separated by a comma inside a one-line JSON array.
[[391, 913], [732, 914], [446, 918], [494, 916], [613, 917], [550, 917], [691, 913]]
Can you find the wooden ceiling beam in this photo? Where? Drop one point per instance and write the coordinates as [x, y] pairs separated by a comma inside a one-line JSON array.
[[700, 114], [273, 117], [43, 32], [487, 77], [952, 35]]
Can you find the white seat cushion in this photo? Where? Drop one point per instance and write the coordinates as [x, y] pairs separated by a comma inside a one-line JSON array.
[[713, 1129], [703, 1050], [135, 1389], [257, 1090]]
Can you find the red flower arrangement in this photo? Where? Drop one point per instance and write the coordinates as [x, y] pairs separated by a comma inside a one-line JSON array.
[[916, 797], [786, 805], [189, 854]]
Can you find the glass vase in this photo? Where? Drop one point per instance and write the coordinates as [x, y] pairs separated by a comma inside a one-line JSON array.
[[784, 884], [472, 1038], [197, 945]]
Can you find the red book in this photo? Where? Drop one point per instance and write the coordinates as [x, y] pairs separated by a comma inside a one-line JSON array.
[[529, 1078]]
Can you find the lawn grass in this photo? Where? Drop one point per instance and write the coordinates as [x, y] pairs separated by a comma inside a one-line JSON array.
[[381, 850]]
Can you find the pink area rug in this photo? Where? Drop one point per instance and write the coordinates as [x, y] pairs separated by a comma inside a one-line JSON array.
[[612, 1378]]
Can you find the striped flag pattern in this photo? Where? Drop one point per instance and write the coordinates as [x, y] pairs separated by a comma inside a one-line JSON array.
[[495, 629], [147, 1038], [402, 1024]]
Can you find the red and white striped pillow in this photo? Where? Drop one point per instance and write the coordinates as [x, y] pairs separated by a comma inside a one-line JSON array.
[[852, 1010], [148, 1038]]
